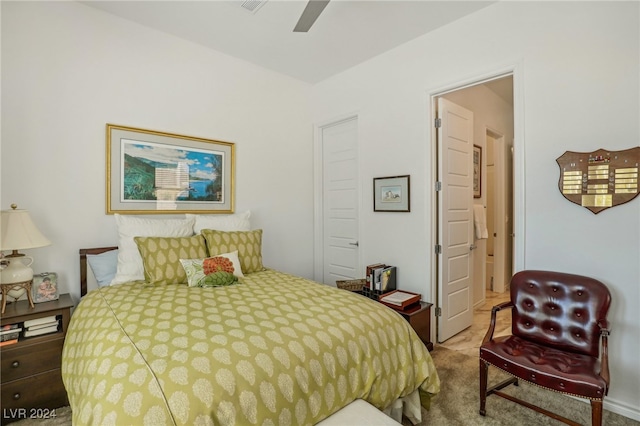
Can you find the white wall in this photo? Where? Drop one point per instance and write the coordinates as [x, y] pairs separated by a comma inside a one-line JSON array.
[[68, 69], [578, 77]]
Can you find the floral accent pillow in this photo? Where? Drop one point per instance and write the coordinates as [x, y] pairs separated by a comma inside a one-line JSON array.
[[214, 271]]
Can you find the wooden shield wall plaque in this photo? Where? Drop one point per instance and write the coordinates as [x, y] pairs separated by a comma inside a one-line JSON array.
[[600, 179]]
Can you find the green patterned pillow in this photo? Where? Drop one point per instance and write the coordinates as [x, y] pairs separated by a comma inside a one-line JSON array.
[[161, 257], [248, 244]]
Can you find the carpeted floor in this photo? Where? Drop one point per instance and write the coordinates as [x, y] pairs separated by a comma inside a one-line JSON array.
[[458, 402]]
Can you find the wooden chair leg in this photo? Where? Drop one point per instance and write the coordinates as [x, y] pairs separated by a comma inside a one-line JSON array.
[[484, 372], [596, 413]]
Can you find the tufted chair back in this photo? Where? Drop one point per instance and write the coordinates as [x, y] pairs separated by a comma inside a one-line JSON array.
[[560, 310], [558, 340]]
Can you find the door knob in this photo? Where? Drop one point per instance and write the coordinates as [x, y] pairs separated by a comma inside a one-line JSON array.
[[472, 246], [354, 244]]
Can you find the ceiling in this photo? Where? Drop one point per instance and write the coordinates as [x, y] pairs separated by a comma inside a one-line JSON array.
[[347, 32], [503, 87]]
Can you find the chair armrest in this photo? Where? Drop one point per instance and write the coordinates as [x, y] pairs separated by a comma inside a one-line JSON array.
[[604, 355], [604, 326], [492, 326]]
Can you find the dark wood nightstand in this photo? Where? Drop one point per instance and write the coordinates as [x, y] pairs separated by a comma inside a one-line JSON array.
[[30, 374], [420, 319]]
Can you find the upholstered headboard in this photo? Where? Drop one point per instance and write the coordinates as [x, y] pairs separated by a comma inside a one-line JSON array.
[[83, 264]]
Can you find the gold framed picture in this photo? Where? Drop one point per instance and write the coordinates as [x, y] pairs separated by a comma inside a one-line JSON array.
[[158, 172]]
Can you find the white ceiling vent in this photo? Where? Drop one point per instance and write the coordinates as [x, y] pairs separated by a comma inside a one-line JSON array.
[[252, 5]]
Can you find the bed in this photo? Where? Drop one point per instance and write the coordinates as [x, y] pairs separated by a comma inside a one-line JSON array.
[[269, 349]]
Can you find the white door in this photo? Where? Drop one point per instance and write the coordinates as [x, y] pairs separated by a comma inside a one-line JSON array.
[[502, 221], [505, 176], [455, 224], [492, 218], [340, 201]]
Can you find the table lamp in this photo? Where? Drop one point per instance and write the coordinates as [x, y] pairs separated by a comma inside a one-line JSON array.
[[18, 232]]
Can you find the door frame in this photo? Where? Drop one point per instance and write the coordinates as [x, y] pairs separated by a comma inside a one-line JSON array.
[[318, 200], [516, 71]]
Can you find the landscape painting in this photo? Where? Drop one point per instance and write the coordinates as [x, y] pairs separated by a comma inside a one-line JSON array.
[[392, 194], [152, 172]]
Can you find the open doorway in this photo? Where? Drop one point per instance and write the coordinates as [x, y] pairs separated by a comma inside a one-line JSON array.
[[498, 259], [491, 103]]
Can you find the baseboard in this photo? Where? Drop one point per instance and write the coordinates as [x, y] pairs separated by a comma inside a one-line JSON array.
[[615, 406], [621, 408]]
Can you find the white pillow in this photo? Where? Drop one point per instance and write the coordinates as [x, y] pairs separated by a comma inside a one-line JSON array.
[[130, 266], [230, 222]]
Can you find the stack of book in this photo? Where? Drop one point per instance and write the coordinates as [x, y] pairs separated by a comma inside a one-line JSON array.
[[401, 300], [9, 334], [40, 326], [381, 277]]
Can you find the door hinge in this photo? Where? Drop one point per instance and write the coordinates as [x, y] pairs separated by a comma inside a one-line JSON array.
[[438, 123], [438, 186], [438, 249], [438, 311]]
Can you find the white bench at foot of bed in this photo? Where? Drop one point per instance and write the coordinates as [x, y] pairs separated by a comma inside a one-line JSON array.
[[359, 412]]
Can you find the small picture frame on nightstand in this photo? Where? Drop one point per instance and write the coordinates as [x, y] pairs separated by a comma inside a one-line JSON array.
[[45, 287]]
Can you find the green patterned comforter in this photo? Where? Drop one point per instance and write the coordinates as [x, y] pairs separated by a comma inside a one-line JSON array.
[[274, 349]]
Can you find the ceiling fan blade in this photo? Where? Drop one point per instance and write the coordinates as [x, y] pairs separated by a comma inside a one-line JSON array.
[[311, 12]]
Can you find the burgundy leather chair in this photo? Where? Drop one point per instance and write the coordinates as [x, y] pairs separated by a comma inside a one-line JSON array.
[[558, 340]]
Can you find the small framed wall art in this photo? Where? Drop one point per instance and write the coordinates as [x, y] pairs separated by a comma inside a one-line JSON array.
[[45, 287], [391, 194], [477, 171]]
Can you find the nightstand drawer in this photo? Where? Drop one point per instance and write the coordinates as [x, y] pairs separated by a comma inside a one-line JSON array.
[[43, 390], [29, 360]]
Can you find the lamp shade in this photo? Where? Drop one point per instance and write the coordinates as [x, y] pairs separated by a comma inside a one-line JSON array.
[[17, 231]]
